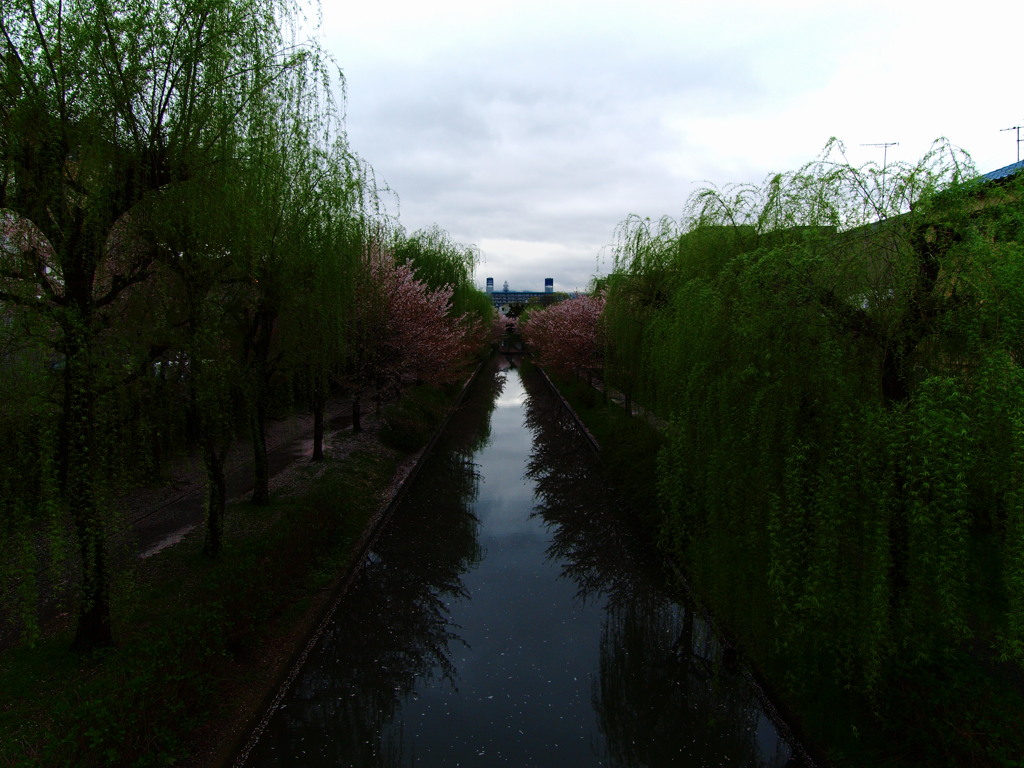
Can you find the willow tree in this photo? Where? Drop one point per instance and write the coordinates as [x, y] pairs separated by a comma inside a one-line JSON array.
[[839, 352], [274, 187], [335, 196], [440, 261], [319, 322], [106, 104], [637, 288], [205, 310], [296, 174], [651, 259]]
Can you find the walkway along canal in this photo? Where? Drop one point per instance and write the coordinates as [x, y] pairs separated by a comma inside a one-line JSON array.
[[509, 615]]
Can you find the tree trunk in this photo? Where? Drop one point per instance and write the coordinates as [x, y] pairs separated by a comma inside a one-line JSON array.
[[216, 498], [894, 380], [260, 462], [684, 643], [319, 405], [80, 432], [94, 630], [259, 360], [928, 304], [357, 424]]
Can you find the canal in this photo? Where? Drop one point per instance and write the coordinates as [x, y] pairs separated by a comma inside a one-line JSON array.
[[510, 614]]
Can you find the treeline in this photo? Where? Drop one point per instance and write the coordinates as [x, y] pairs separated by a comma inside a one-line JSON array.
[[838, 355], [188, 241]]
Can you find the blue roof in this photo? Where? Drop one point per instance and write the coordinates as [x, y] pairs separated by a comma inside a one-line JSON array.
[[1005, 171]]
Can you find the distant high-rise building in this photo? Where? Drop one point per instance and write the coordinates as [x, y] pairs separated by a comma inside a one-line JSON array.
[[508, 297]]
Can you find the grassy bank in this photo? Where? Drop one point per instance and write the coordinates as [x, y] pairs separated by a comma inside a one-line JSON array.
[[202, 642], [629, 446]]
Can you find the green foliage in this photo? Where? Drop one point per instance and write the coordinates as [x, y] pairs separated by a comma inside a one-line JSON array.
[[138, 708], [476, 304], [437, 260], [122, 130], [182, 225], [838, 354]]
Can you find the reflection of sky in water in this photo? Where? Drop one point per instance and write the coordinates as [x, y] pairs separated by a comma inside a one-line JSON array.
[[514, 400], [504, 492], [526, 672]]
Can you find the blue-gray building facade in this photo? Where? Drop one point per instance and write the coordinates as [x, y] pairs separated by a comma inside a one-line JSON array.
[[507, 298]]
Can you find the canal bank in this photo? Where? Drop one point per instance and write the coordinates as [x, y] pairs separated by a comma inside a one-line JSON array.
[[246, 729], [427, 655]]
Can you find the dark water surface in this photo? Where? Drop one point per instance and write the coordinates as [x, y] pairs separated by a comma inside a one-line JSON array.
[[509, 616]]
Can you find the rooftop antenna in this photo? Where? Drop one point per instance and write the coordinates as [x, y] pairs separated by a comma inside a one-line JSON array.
[[1017, 129], [885, 157], [885, 150]]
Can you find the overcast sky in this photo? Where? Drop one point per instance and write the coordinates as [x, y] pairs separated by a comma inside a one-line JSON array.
[[532, 129]]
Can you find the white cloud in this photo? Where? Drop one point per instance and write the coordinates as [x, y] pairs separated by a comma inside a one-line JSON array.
[[531, 129], [526, 263]]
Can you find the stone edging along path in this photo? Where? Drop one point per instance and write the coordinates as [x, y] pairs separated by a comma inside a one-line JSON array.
[[242, 741]]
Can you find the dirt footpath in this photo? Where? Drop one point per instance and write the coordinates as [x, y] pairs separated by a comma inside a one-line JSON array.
[[158, 515], [161, 515]]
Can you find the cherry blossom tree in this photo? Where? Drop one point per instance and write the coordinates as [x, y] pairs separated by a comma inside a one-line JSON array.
[[567, 337], [502, 328], [404, 332], [423, 342]]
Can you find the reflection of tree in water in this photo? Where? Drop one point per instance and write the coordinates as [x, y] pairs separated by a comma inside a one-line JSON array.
[[393, 627], [663, 696], [473, 421], [598, 547]]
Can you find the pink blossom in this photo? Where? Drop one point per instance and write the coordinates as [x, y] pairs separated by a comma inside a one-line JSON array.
[[409, 334], [27, 263], [503, 325], [567, 336]]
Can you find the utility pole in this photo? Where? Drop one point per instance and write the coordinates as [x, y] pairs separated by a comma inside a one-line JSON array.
[[885, 156], [885, 150], [1017, 129]]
